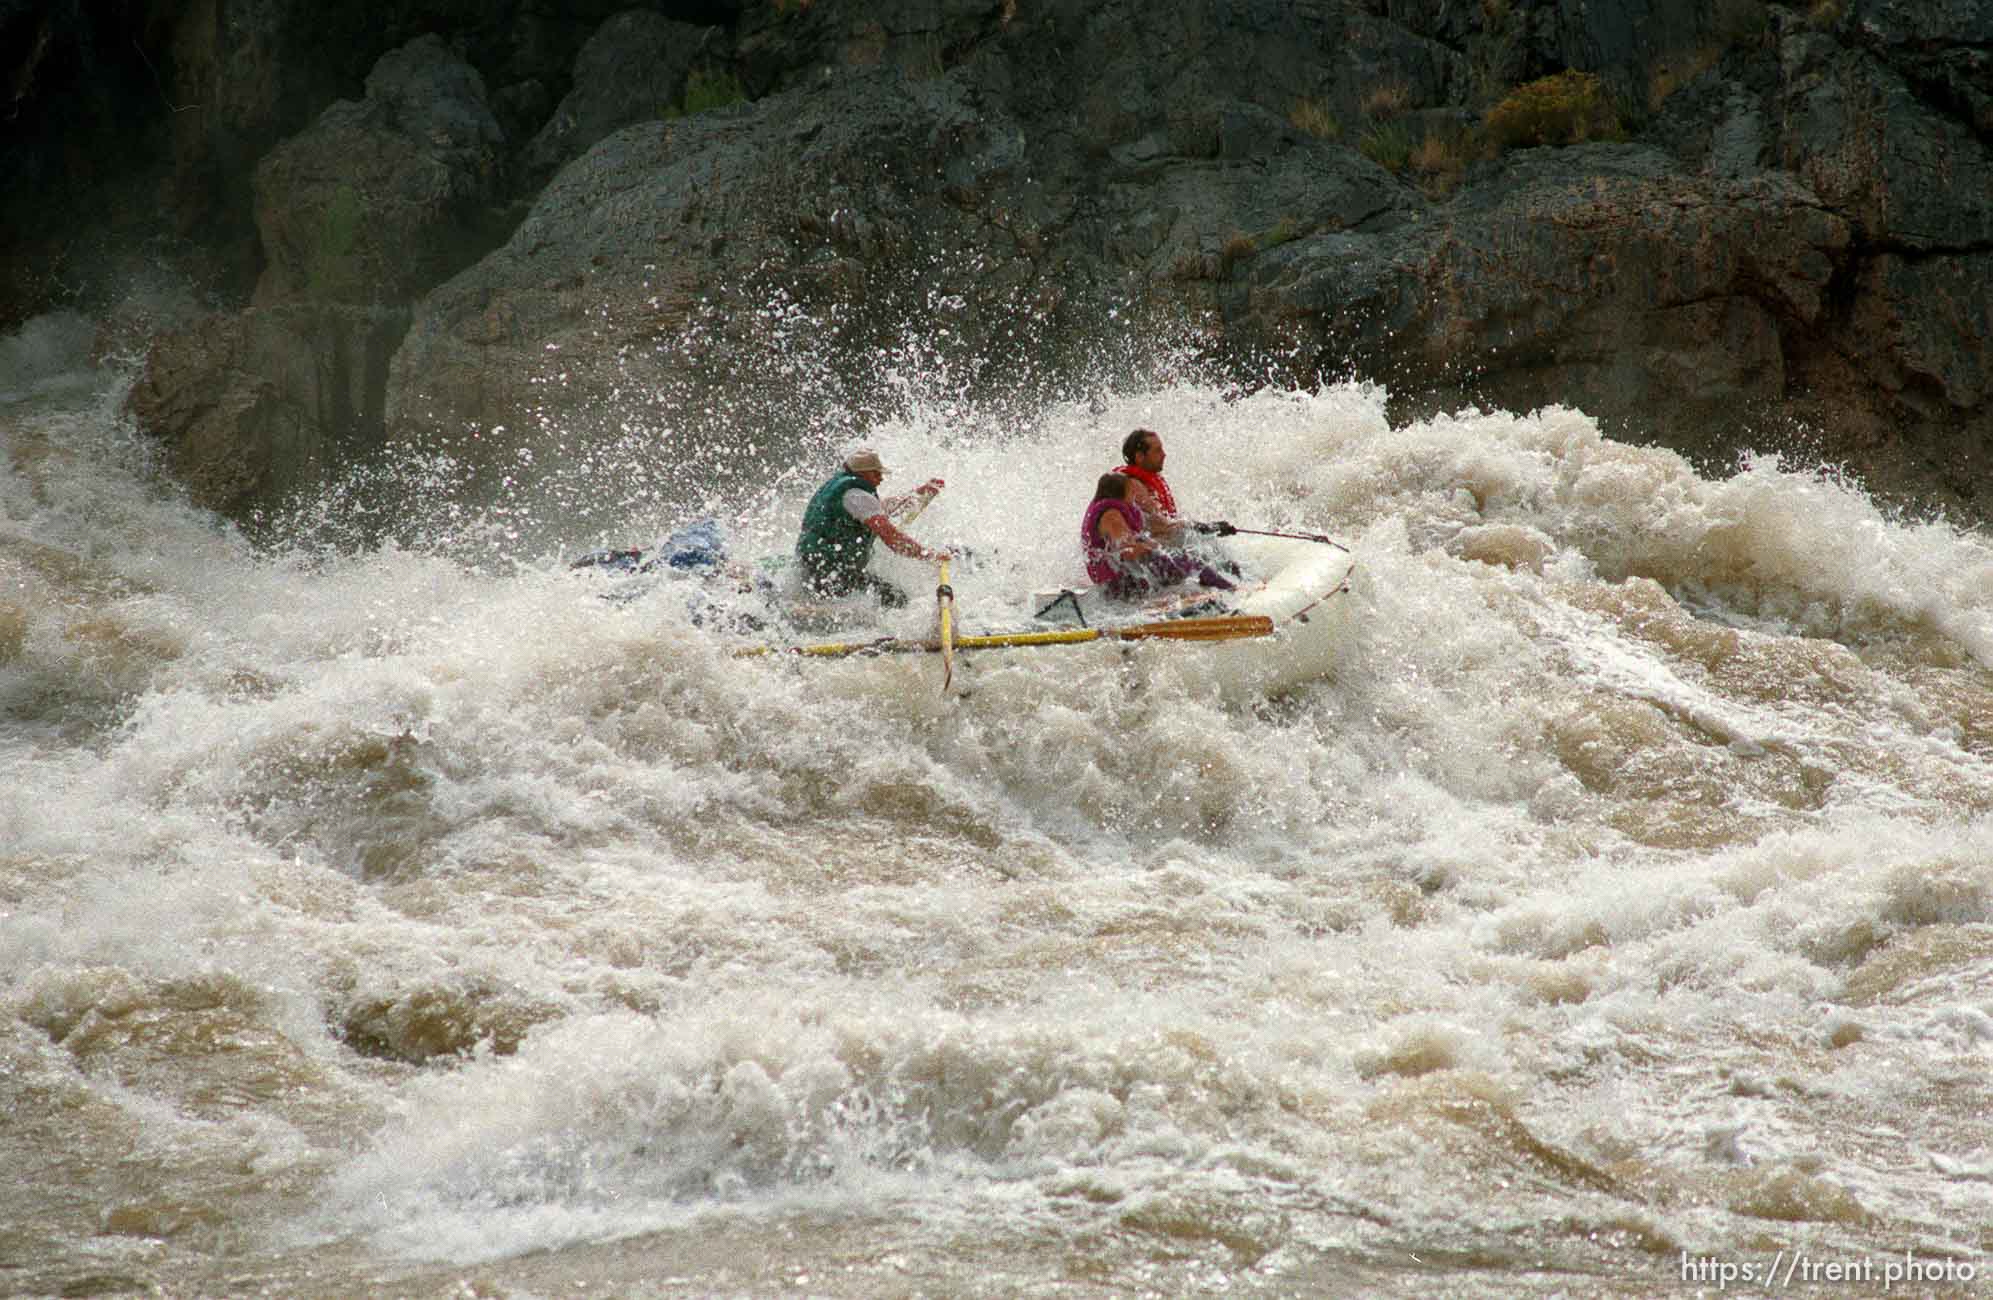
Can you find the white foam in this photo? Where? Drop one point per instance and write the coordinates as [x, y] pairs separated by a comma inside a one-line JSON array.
[[1605, 778]]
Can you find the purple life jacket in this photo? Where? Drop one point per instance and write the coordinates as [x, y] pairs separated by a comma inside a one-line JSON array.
[[1102, 562]]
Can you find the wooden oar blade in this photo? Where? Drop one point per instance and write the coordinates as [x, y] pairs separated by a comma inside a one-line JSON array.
[[1215, 627]]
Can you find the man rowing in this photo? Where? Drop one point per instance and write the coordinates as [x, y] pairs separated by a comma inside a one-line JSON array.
[[843, 520]]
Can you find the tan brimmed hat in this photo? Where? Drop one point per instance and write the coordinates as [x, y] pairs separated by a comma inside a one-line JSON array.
[[864, 461]]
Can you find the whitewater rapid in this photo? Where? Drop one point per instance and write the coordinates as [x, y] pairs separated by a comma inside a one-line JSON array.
[[1600, 900]]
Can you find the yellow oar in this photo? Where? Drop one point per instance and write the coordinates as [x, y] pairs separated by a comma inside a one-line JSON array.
[[944, 599], [1219, 627]]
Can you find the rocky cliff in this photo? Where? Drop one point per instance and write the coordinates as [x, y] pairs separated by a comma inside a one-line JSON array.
[[1713, 224]]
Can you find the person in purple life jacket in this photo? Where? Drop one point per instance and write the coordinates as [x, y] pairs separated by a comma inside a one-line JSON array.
[[1123, 557]]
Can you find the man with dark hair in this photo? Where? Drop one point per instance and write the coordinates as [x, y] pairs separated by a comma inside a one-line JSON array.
[[1149, 490], [1143, 453], [844, 518]]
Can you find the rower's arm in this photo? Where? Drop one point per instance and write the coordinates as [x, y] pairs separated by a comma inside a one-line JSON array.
[[920, 496], [900, 543]]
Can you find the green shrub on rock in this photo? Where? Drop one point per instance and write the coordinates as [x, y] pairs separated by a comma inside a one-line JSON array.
[[1389, 145], [707, 90], [1568, 108], [1309, 115]]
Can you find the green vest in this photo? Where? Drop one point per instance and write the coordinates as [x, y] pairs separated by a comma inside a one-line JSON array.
[[833, 547]]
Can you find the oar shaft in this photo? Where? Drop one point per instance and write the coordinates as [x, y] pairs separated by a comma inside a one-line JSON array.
[[1294, 537], [944, 598], [1217, 627], [908, 508]]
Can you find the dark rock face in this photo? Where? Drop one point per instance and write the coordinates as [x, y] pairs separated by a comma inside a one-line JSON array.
[[634, 69], [381, 198], [1792, 231], [1870, 145], [745, 269], [1598, 277], [1940, 49], [1885, 117], [256, 405]]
